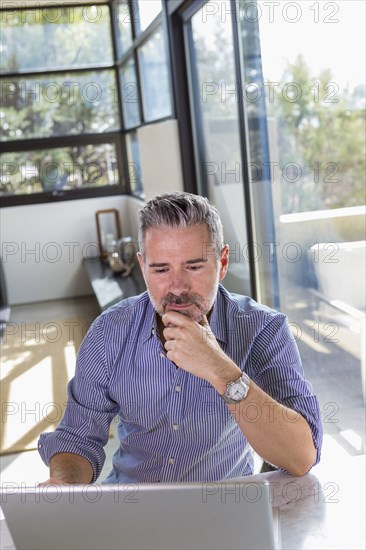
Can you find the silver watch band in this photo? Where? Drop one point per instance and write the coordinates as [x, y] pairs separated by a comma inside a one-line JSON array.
[[241, 384]]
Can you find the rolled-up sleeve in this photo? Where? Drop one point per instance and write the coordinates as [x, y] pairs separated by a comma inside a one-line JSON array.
[[277, 369], [84, 427]]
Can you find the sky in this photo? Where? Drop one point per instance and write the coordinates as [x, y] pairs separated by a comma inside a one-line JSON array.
[[328, 34]]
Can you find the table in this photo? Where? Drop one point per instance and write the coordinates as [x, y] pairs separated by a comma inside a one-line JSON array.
[[318, 513], [109, 287], [314, 513]]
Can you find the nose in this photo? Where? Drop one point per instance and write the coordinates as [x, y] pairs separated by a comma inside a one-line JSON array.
[[179, 282]]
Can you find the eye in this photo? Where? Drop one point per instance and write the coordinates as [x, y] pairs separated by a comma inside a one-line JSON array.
[[195, 267], [161, 270]]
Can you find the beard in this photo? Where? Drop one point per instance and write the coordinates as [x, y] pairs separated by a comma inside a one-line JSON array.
[[200, 306], [184, 298]]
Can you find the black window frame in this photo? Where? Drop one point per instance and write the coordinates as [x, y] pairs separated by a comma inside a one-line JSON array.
[[116, 138], [139, 38]]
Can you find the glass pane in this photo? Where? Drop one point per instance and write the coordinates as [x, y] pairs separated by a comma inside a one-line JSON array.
[[55, 37], [148, 10], [64, 168], [134, 165], [154, 78], [216, 122], [129, 92], [56, 105], [124, 27], [315, 131]]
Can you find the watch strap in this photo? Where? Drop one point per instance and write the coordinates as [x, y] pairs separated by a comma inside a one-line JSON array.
[[244, 381]]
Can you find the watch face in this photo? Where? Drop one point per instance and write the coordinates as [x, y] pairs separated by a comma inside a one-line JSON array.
[[236, 391]]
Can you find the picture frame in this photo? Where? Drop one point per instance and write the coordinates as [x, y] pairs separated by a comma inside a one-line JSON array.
[[108, 229]]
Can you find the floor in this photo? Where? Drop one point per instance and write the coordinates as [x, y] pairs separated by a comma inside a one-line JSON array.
[[332, 352], [332, 370], [27, 466]]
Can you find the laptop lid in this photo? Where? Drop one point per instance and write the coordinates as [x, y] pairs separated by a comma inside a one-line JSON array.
[[230, 514]]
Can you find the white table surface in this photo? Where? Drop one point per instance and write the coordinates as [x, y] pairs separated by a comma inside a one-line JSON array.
[[316, 511]]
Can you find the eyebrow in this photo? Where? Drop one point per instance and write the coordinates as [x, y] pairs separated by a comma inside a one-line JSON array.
[[194, 261]]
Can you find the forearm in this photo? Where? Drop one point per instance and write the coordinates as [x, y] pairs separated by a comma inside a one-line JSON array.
[[70, 468], [278, 434]]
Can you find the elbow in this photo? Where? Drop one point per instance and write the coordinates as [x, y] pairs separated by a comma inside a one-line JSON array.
[[303, 464], [298, 470]]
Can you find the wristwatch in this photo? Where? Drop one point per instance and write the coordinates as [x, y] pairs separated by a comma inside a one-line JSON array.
[[237, 390]]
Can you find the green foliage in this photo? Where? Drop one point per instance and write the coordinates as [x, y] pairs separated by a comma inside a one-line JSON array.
[[323, 131], [59, 168], [55, 38], [57, 104]]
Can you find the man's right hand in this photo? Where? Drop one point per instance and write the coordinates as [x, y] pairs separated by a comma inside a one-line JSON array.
[[69, 469], [52, 481]]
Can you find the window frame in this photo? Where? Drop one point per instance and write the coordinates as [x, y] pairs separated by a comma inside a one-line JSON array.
[[139, 38], [119, 137]]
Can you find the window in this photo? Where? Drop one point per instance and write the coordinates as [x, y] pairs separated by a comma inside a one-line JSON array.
[[144, 75], [305, 106], [217, 132], [124, 26], [59, 104], [67, 103], [279, 117], [155, 79], [66, 168], [134, 164], [143, 63], [130, 96]]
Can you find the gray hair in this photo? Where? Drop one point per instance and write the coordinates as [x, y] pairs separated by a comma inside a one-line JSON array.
[[181, 210]]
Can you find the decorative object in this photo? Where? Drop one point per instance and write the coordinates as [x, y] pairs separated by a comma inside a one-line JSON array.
[[108, 228], [122, 256]]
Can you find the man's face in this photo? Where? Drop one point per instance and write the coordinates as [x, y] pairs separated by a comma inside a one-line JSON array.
[[181, 270]]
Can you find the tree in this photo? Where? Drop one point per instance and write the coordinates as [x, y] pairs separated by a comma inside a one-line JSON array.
[[57, 104], [322, 129]]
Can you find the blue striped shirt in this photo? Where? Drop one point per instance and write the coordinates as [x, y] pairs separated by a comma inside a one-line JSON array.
[[174, 426]]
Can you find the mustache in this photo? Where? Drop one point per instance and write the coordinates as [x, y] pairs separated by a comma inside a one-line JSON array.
[[184, 298]]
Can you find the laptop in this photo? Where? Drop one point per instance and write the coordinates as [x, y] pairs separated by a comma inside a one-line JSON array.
[[222, 515]]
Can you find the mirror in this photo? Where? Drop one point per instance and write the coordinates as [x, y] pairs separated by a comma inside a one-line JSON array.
[[108, 228]]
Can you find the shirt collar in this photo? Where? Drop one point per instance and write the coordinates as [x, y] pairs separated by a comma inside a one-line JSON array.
[[149, 327], [217, 320]]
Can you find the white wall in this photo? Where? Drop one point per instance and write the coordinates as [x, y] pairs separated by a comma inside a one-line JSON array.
[[160, 157], [42, 247]]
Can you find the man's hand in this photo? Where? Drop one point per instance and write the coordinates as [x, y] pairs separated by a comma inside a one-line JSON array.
[[69, 469], [52, 481], [194, 348]]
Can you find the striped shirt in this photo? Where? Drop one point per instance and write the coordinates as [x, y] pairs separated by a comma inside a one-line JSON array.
[[174, 426]]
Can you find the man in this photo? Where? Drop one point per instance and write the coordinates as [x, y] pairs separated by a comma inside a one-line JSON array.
[[196, 375]]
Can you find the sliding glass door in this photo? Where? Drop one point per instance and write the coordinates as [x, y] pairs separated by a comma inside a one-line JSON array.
[[277, 106], [309, 100], [218, 134]]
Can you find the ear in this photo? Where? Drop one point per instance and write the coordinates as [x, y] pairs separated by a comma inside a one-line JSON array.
[[141, 261], [224, 261]]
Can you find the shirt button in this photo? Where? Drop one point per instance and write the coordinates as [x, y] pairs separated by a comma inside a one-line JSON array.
[[175, 427], [162, 354], [171, 460], [152, 331], [177, 388]]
